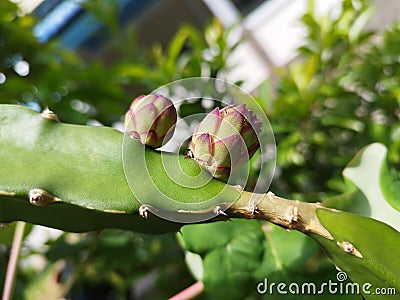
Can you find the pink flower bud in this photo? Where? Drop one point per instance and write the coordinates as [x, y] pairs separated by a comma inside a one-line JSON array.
[[151, 119], [224, 141]]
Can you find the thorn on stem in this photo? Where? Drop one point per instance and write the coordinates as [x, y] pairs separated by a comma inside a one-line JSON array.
[[349, 248], [253, 210], [218, 211], [294, 217], [144, 211], [48, 114], [41, 197]]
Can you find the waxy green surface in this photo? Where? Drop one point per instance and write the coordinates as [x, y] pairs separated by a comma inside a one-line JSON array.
[[83, 167], [378, 243]]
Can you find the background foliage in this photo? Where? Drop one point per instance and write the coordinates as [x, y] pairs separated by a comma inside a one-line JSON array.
[[340, 95]]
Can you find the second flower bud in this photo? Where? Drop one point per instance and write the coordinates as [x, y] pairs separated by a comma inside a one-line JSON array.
[[225, 140]]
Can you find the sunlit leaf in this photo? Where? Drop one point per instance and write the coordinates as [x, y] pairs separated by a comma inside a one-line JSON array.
[[359, 24], [365, 171], [371, 258]]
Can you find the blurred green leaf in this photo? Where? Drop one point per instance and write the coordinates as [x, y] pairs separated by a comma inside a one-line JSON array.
[[7, 232], [51, 283], [356, 29], [389, 183], [121, 258], [240, 254], [338, 97], [265, 96]]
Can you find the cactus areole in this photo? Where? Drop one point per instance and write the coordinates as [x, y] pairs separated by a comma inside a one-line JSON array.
[[72, 177]]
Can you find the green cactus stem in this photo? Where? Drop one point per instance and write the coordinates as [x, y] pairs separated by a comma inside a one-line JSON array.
[[71, 177]]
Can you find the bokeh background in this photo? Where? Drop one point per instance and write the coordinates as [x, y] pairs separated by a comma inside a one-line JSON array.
[[327, 74]]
